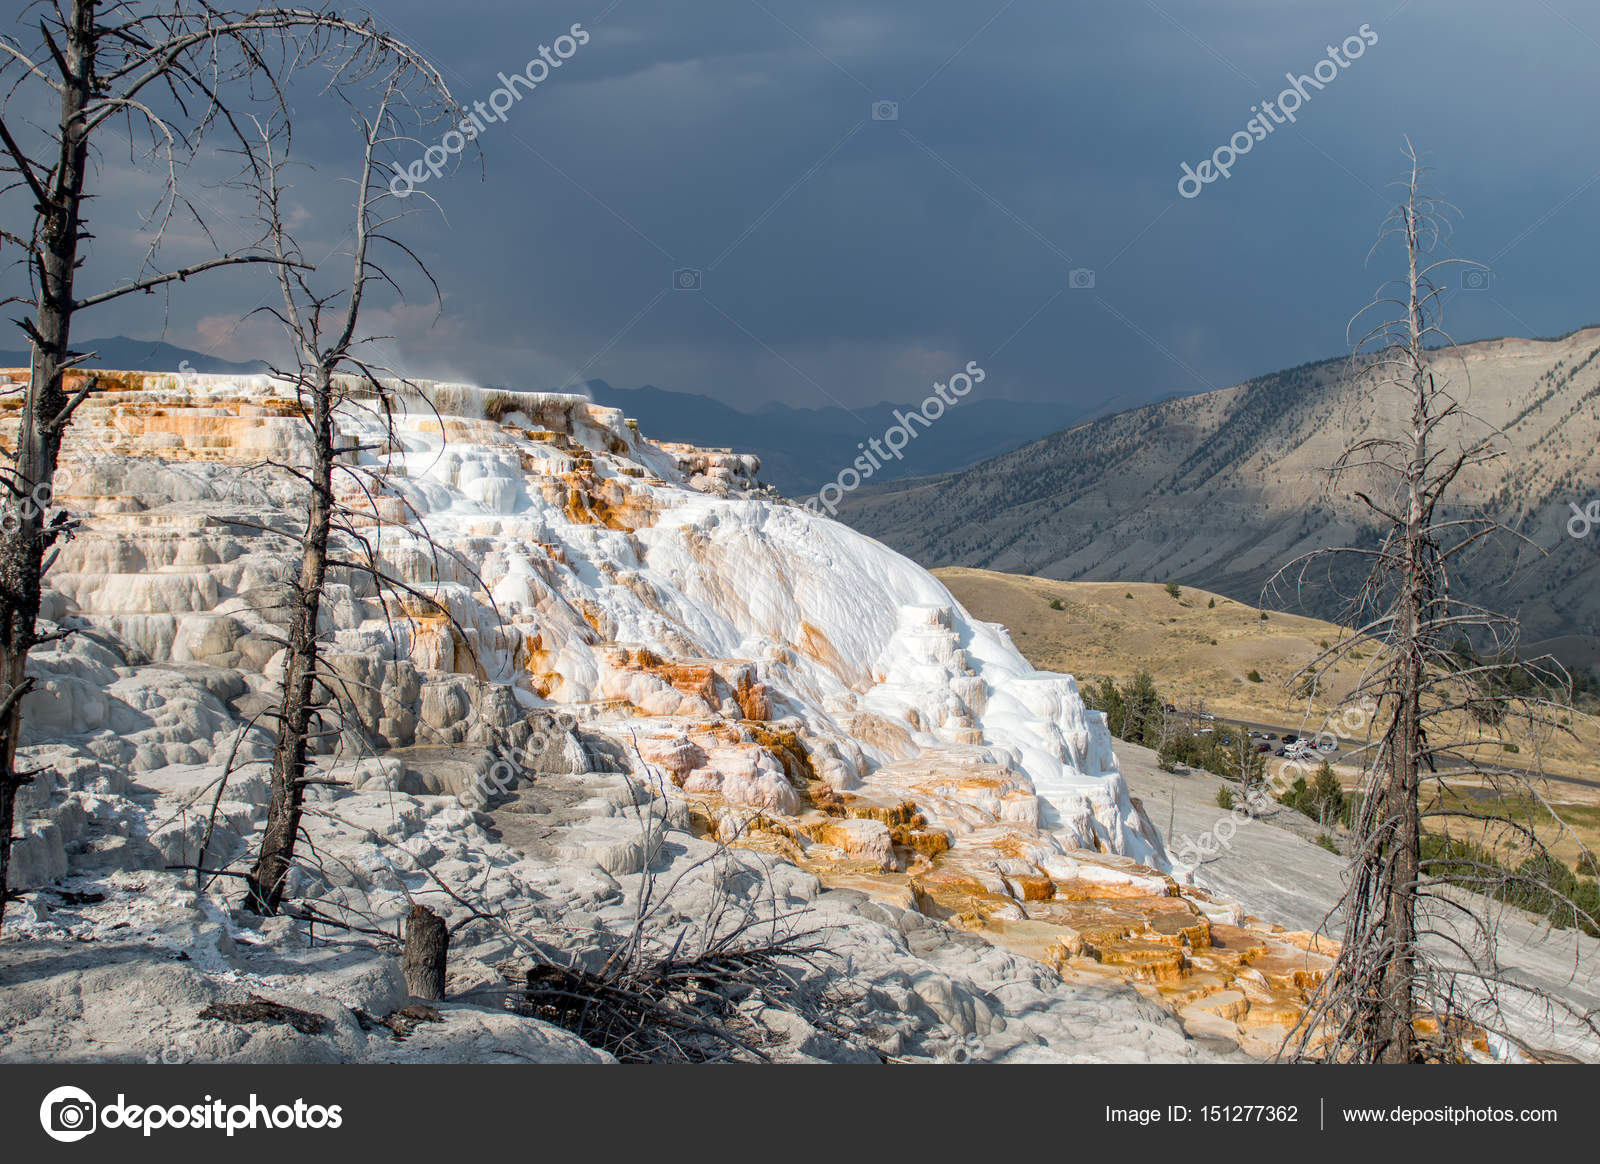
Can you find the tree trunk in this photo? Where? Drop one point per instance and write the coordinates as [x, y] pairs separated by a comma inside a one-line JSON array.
[[1395, 1034], [426, 952], [45, 410], [1402, 815], [1395, 1011], [295, 712]]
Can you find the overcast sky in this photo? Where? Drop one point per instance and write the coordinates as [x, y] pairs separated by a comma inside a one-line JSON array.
[[849, 257]]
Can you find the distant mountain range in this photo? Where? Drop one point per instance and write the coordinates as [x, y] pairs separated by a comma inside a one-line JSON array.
[[800, 448], [1223, 489], [134, 355], [1218, 490]]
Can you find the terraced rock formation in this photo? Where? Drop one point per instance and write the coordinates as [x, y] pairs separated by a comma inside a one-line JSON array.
[[585, 609]]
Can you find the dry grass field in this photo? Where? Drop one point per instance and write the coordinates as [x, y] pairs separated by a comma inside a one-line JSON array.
[[1197, 646], [1204, 647]]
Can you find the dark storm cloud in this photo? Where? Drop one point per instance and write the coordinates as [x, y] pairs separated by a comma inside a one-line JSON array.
[[852, 259]]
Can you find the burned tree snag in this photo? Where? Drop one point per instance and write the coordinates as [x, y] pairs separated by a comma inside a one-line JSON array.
[[426, 952]]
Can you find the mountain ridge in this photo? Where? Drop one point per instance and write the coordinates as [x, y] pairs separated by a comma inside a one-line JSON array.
[[800, 448], [123, 352], [1223, 489], [803, 448]]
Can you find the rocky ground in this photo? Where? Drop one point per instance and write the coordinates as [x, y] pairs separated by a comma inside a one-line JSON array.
[[119, 957], [1271, 862], [121, 960]]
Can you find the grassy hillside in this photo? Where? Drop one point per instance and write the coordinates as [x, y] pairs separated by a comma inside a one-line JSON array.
[[1203, 646], [1225, 489], [1197, 646]]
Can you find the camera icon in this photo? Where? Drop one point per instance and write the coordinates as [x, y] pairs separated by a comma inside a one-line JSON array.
[[1476, 279], [687, 279], [1081, 279], [72, 1115], [886, 111], [68, 1114]]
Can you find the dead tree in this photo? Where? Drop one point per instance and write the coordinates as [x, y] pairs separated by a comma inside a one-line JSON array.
[[157, 78], [160, 78], [427, 948], [1420, 930], [107, 67], [1251, 766], [332, 376]]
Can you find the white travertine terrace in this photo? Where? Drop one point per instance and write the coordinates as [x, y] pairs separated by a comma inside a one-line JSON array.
[[583, 536]]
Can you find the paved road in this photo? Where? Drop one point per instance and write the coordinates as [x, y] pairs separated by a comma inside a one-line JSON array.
[[1346, 745]]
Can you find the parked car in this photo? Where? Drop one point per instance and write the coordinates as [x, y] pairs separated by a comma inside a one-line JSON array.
[[1263, 747], [1327, 745]]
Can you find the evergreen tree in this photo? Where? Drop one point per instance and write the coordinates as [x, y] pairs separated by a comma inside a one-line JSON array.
[[1240, 761], [1142, 717], [1327, 794], [1108, 699]]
